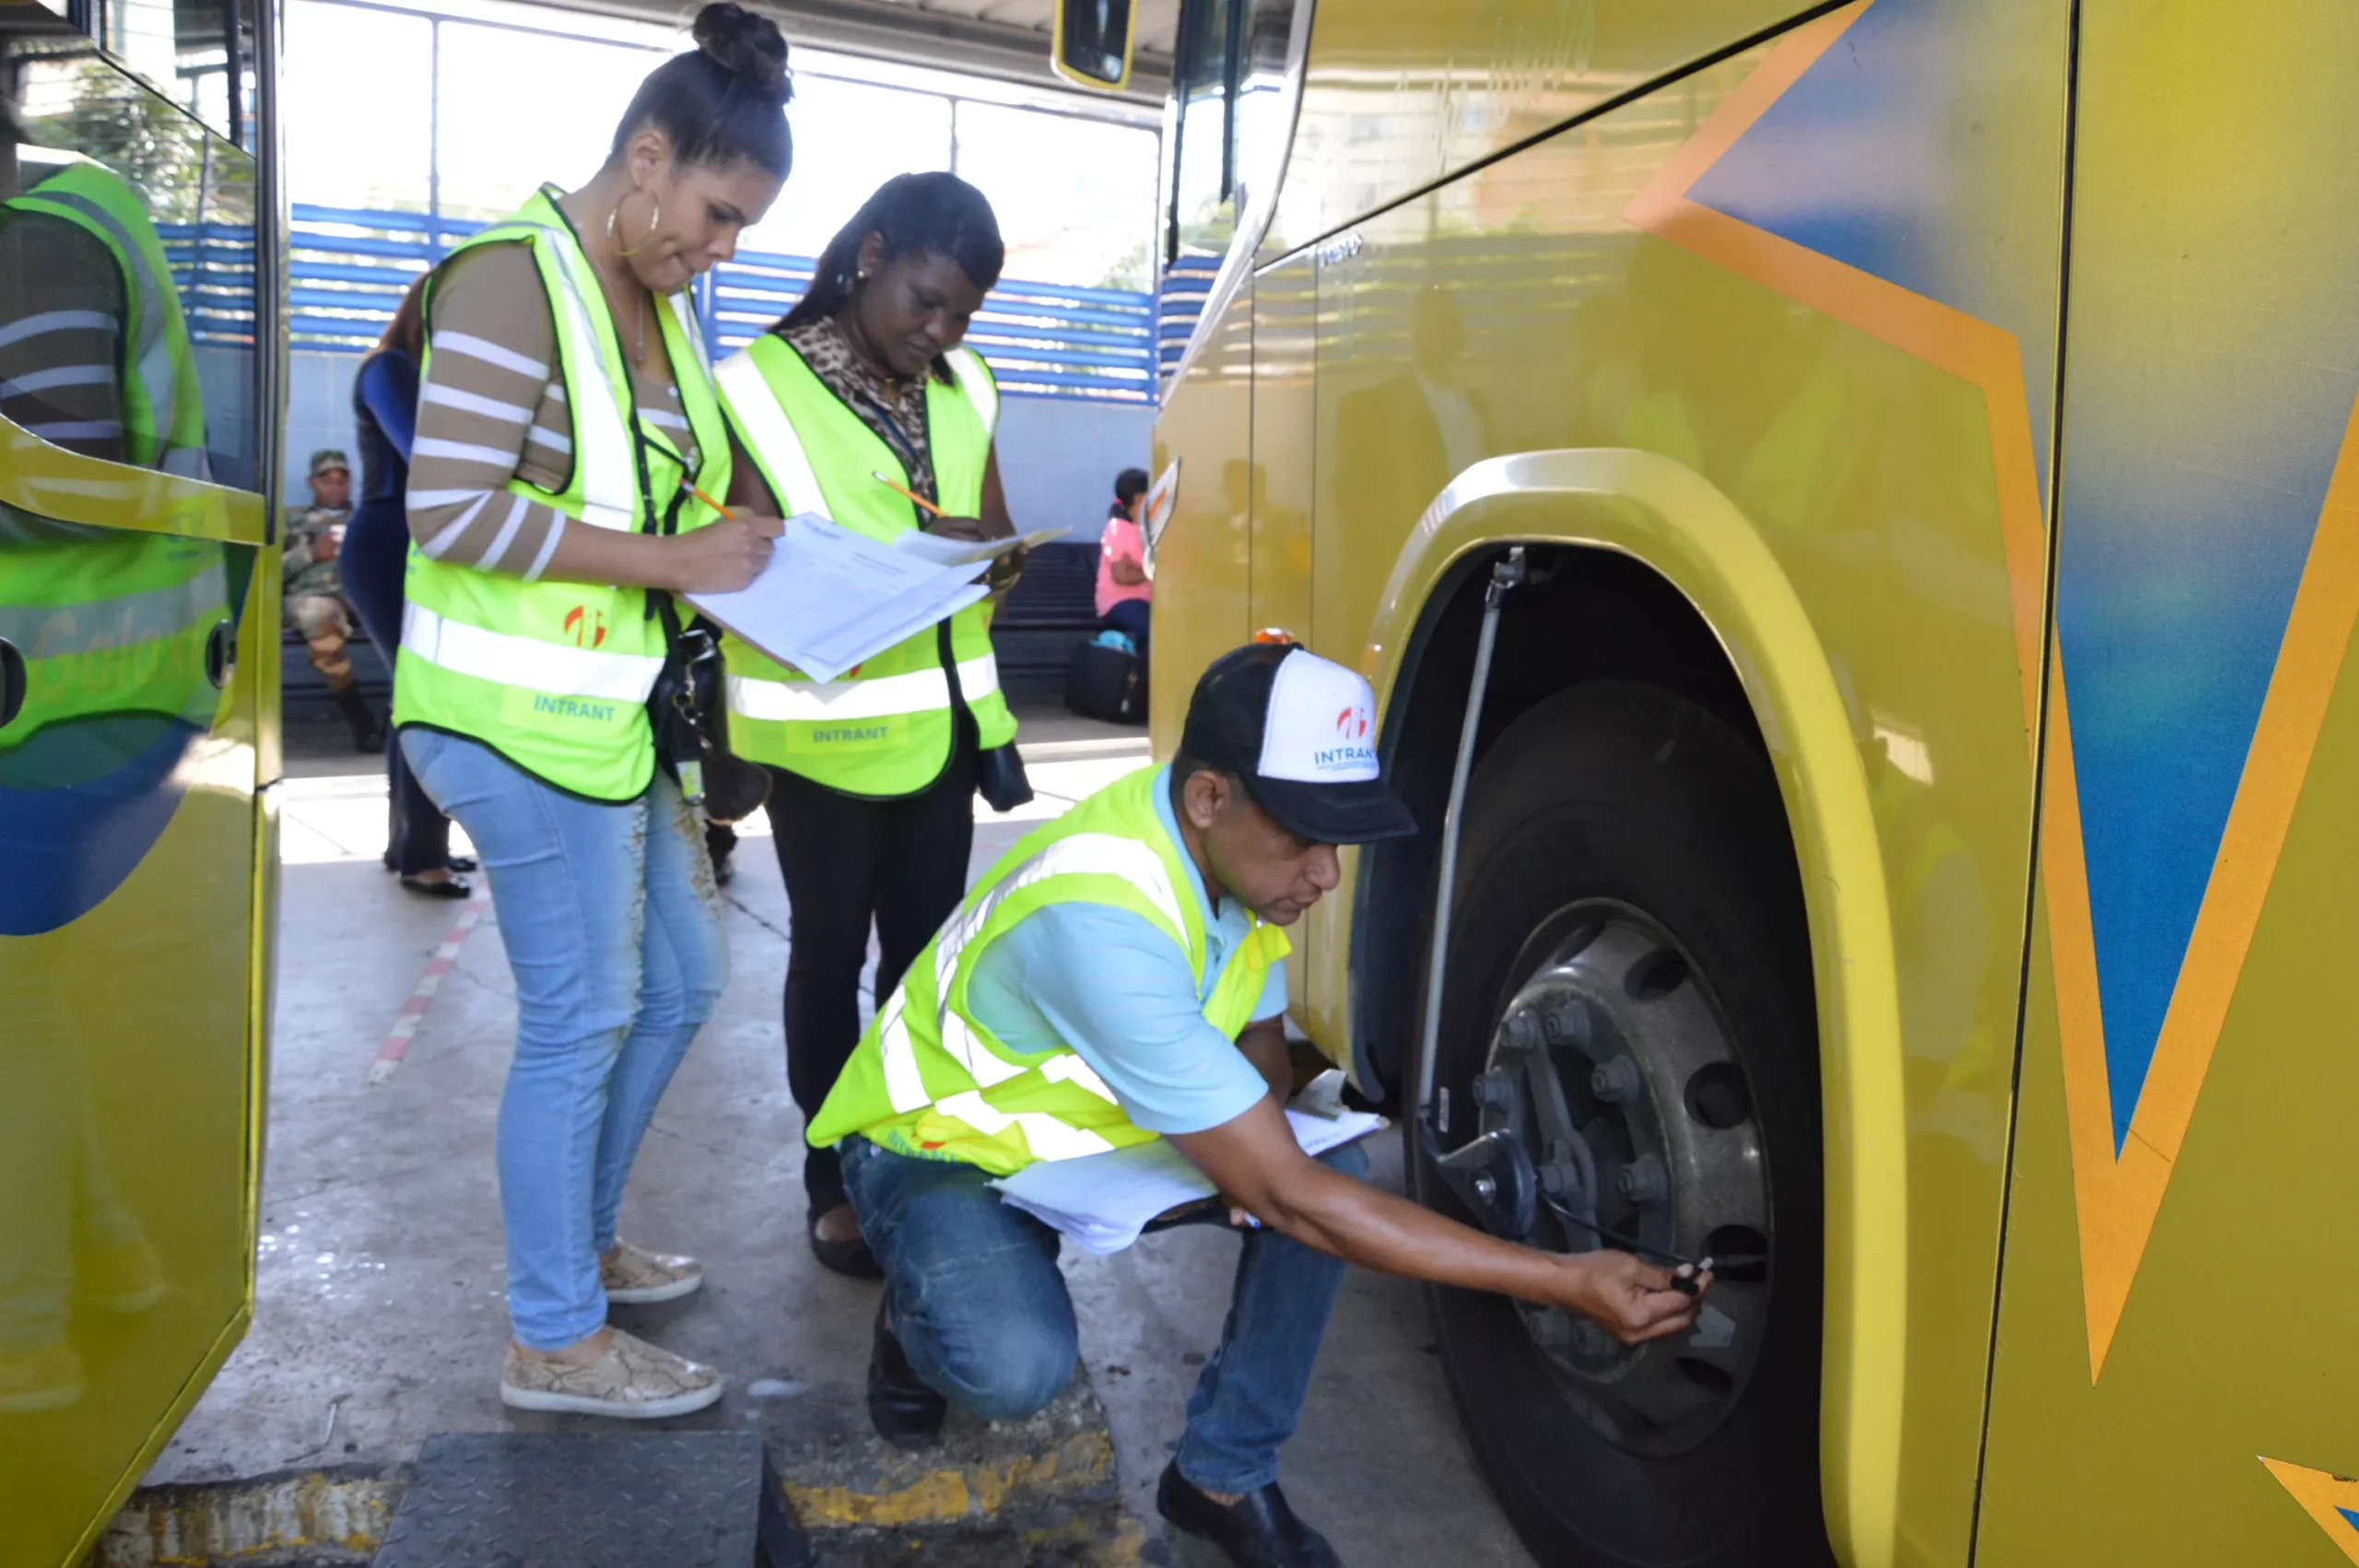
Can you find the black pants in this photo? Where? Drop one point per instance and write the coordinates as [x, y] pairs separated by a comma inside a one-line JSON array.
[[375, 555], [849, 862]]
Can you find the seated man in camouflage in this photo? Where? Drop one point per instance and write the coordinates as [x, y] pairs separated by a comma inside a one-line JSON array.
[[315, 604]]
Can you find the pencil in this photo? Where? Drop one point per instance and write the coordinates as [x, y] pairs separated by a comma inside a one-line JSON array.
[[902, 490], [707, 500]]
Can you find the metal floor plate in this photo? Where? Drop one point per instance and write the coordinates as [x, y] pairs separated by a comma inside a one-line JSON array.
[[592, 1500]]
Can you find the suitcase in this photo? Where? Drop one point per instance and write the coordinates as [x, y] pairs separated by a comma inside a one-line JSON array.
[[1106, 683]]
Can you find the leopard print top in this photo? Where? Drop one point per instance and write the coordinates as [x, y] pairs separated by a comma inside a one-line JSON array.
[[895, 410]]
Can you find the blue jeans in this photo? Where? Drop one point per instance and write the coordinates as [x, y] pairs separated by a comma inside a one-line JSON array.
[[612, 928], [984, 1318]]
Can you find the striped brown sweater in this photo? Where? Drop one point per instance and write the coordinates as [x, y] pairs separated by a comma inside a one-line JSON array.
[[493, 407]]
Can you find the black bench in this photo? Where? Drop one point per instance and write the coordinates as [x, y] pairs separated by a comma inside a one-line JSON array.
[[1051, 611]]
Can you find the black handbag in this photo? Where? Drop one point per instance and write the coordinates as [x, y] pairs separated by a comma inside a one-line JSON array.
[[999, 771], [684, 710], [692, 724], [1000, 778]]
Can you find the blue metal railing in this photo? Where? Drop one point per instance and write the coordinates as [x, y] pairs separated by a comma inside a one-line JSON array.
[[1187, 283], [349, 267]]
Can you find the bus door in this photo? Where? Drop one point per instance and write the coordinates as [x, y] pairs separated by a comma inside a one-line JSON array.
[[139, 639], [2175, 1376]]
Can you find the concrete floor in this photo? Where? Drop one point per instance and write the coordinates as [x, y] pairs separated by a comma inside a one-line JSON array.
[[380, 1320]]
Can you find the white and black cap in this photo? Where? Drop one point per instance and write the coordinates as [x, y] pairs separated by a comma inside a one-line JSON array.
[[1301, 733]]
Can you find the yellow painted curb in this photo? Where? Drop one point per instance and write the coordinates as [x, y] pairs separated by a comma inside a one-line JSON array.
[[203, 1527], [959, 1494]]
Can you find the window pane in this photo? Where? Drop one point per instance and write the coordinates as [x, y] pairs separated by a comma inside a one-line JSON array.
[[1202, 214], [182, 49], [356, 96], [1092, 226], [518, 109], [849, 139], [91, 123]]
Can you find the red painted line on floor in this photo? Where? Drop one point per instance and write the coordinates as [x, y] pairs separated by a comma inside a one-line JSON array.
[[406, 1022]]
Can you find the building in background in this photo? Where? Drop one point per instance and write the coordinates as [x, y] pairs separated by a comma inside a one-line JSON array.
[[456, 110]]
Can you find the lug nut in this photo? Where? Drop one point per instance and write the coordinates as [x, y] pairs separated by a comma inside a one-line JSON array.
[[1617, 1082], [1567, 1021], [1643, 1180], [1495, 1090], [1522, 1031], [1485, 1188]]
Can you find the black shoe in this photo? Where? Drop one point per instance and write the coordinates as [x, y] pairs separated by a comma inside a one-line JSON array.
[[852, 1258], [1257, 1530], [448, 887], [724, 870], [906, 1410], [367, 729], [460, 862]]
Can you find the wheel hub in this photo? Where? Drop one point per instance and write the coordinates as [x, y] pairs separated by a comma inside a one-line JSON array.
[[1614, 1066]]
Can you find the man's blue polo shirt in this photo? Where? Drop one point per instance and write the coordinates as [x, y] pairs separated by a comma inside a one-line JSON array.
[[1112, 986]]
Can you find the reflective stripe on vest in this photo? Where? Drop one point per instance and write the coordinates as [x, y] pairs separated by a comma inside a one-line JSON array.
[[771, 435], [1131, 861], [163, 407], [928, 1079], [811, 701], [513, 660]]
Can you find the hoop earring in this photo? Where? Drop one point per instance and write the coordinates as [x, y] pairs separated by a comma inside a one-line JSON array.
[[654, 218]]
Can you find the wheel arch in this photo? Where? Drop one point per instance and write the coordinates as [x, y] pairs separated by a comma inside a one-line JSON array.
[[1693, 599]]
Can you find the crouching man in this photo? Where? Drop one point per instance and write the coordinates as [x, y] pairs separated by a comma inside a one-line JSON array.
[[1117, 977]]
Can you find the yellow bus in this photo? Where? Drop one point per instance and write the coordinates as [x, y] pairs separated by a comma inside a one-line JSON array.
[[139, 637], [1908, 446]]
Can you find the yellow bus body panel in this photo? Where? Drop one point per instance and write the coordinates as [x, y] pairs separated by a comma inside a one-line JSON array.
[[132, 1043], [2175, 1376], [1623, 301]]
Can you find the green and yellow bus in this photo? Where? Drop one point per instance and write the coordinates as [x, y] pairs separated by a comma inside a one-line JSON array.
[[1906, 850], [140, 367]]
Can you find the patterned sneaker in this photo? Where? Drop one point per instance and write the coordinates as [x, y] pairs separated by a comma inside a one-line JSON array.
[[47, 1379], [634, 1276], [633, 1380]]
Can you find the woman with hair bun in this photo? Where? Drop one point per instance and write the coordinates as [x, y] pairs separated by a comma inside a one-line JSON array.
[[566, 426]]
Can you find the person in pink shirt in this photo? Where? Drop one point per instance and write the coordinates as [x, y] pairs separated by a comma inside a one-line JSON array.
[[1123, 591]]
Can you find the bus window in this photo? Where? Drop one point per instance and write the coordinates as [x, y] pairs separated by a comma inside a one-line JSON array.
[[1202, 214], [185, 51], [1229, 134], [197, 194]]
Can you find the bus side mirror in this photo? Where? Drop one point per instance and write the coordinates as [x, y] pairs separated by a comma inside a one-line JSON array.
[[1092, 44]]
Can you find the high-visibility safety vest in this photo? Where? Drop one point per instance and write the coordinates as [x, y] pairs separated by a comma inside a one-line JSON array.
[[109, 623], [884, 728], [555, 676], [163, 409], [929, 1079]]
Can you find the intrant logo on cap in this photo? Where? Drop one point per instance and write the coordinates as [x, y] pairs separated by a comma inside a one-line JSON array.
[[1352, 755]]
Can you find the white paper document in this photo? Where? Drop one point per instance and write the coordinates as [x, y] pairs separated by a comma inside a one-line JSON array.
[[831, 598], [1104, 1201], [969, 552]]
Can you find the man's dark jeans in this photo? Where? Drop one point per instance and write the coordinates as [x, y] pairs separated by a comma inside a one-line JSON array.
[[983, 1315]]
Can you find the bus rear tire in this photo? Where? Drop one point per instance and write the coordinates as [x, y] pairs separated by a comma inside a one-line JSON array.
[[1629, 920]]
